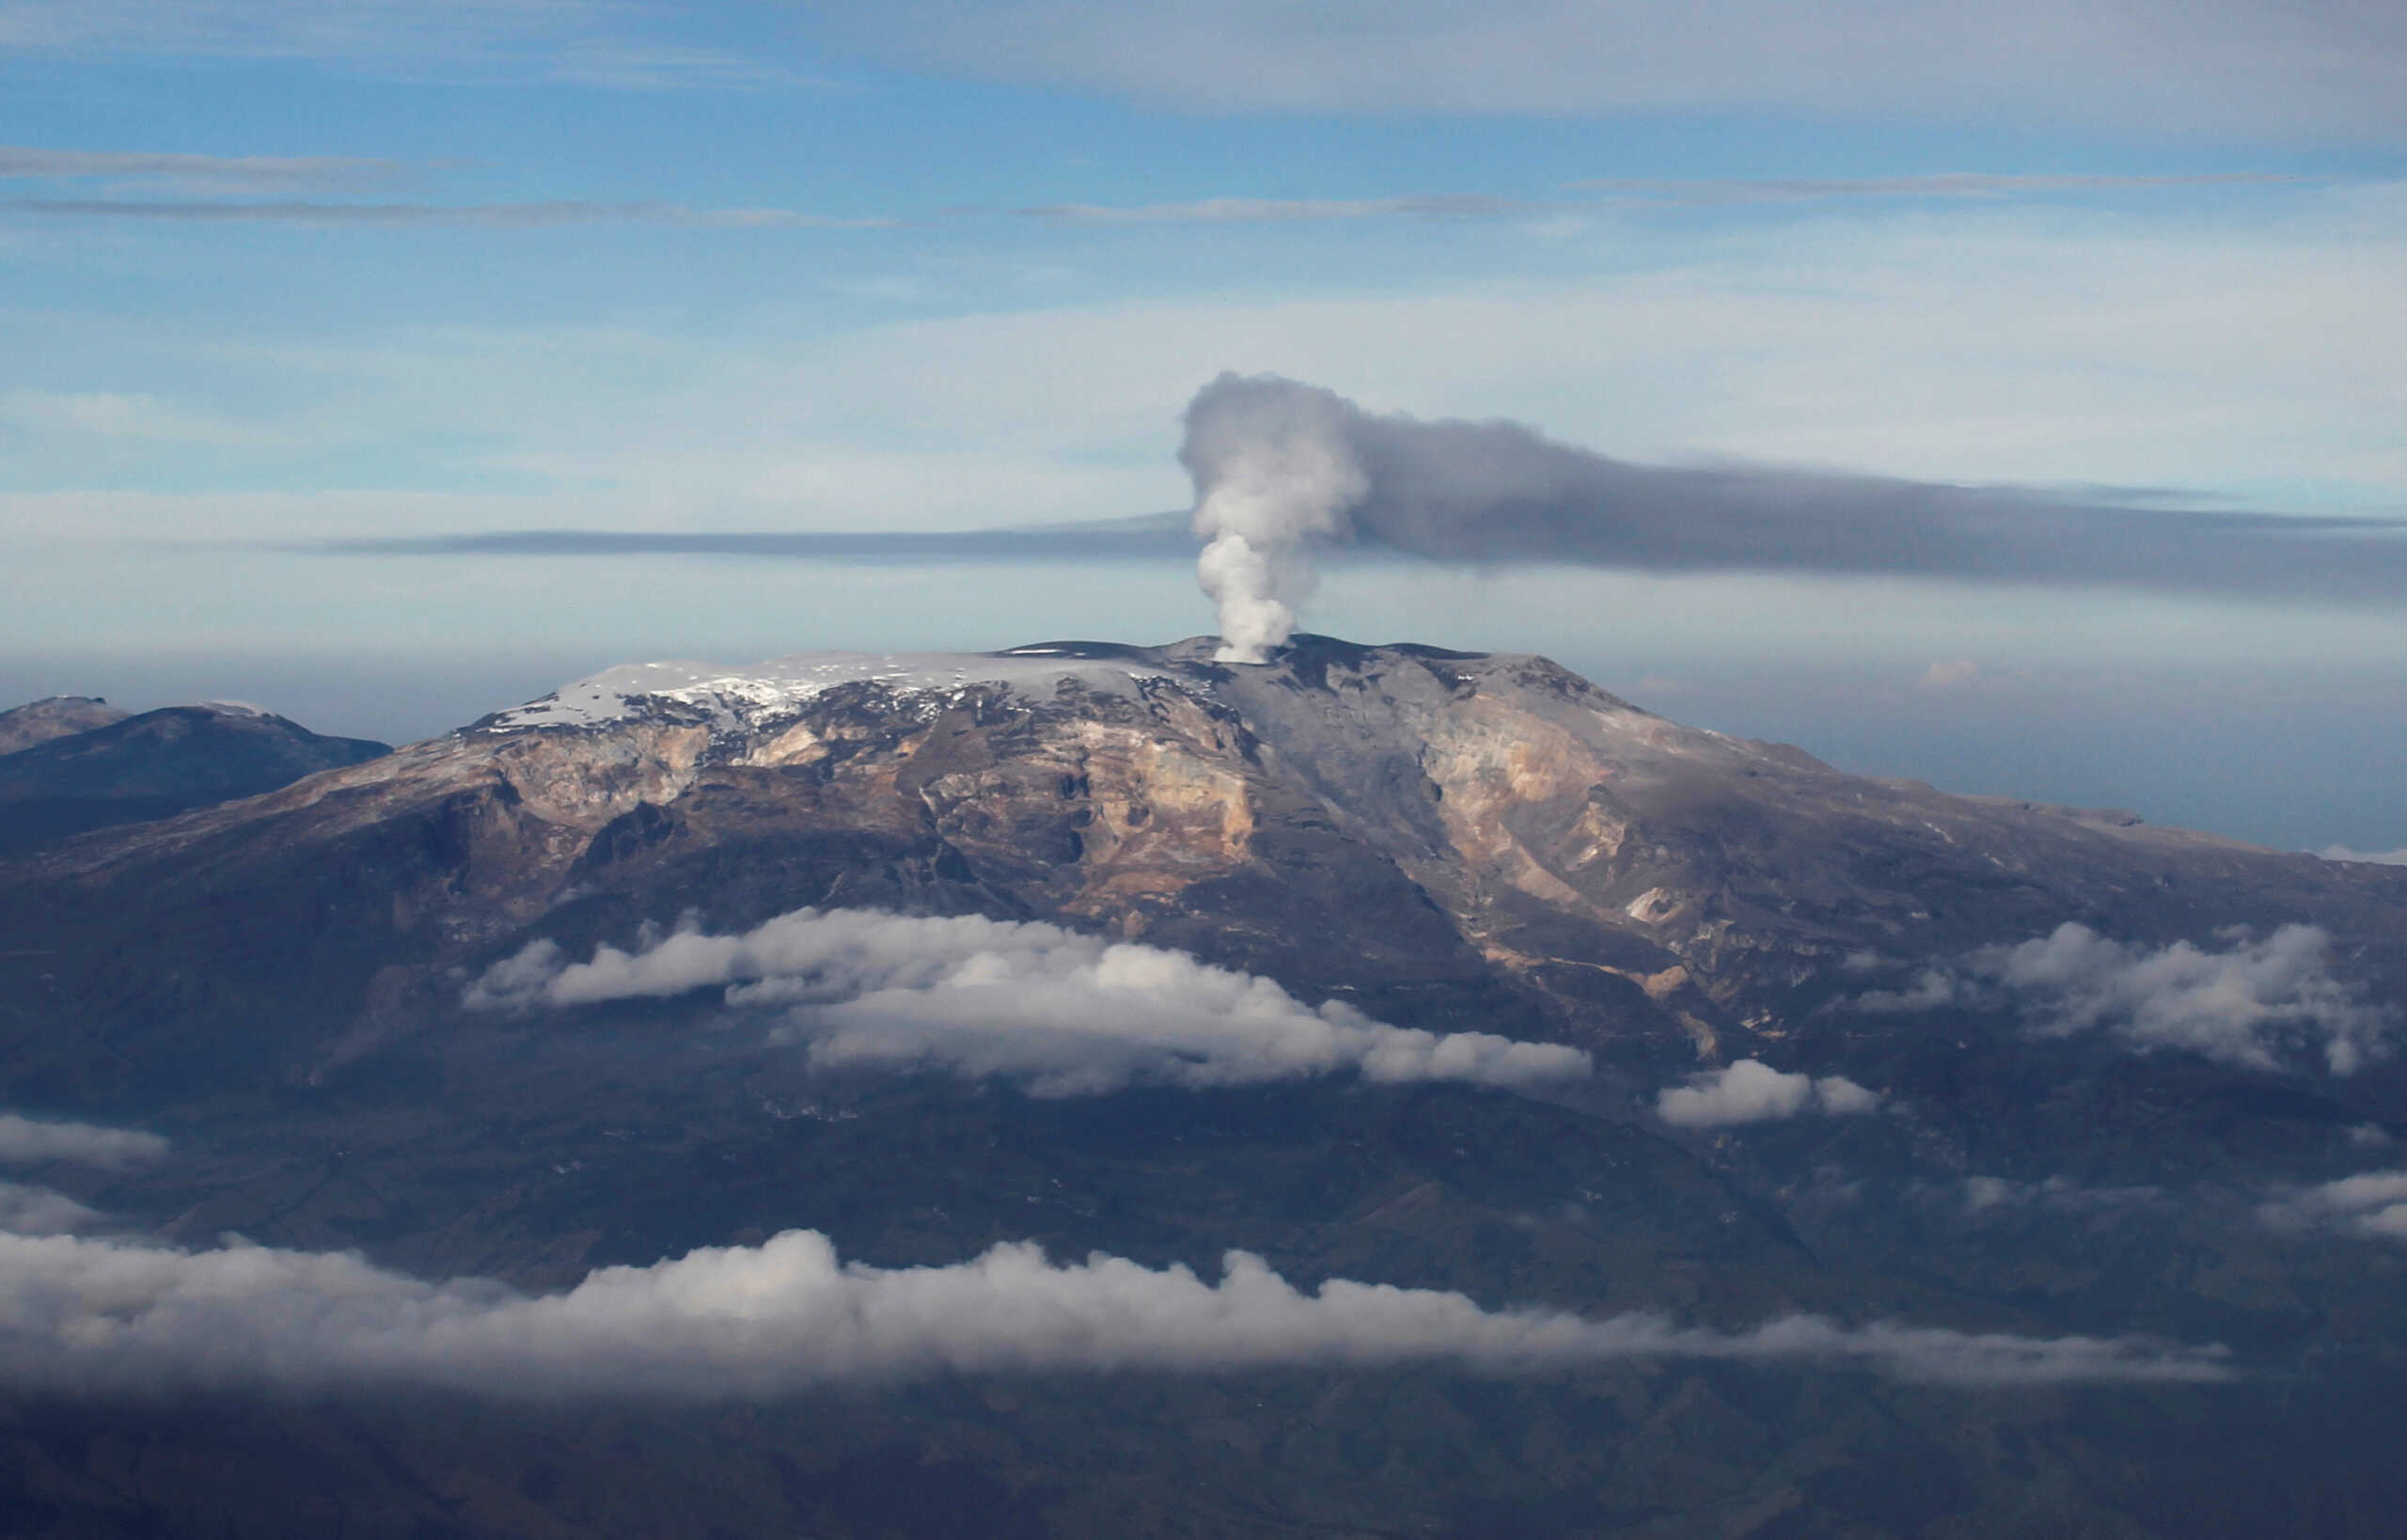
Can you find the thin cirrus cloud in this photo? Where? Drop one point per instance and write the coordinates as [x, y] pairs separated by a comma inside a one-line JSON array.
[[2164, 68], [608, 43], [1702, 192], [1271, 211], [2250, 1002], [437, 215], [94, 1316], [247, 172], [1942, 185], [1066, 1014]]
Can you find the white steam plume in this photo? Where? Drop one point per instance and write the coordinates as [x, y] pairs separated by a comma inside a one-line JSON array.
[[1069, 1014], [1274, 473], [93, 1317]]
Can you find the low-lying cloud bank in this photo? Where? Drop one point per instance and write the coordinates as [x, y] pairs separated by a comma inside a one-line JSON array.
[[39, 1211], [2243, 1005], [2372, 1203], [93, 1317], [1069, 1014], [27, 1141], [2371, 857], [1752, 1091]]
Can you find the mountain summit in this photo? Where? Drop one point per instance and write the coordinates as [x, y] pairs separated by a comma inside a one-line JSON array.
[[1457, 838], [1447, 985]]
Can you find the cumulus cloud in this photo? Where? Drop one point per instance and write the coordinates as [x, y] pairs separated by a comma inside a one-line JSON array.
[[95, 1316], [2243, 1005], [39, 1211], [2370, 1203], [1069, 1014], [1752, 1091], [26, 1141]]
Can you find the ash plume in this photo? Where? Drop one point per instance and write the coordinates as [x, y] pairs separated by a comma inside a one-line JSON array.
[[1282, 470], [1275, 472]]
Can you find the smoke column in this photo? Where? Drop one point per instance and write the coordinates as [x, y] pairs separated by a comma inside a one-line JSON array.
[[1284, 470], [1274, 475]]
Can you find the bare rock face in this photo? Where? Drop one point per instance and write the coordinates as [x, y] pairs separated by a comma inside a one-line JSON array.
[[1453, 841], [1449, 840], [59, 717]]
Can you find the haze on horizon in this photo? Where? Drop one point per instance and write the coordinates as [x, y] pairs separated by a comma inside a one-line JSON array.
[[758, 268]]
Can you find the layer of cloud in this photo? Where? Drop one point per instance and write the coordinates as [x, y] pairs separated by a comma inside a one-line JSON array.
[[2002, 344], [1069, 1014], [1950, 184], [2164, 67], [2371, 1204], [2375, 858], [195, 173], [39, 1211], [28, 1142], [1270, 210], [2057, 1194], [506, 217], [608, 43], [2245, 1004], [1752, 1091], [100, 1316]]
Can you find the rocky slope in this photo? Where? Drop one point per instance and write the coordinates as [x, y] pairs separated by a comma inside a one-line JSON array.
[[285, 987], [83, 764], [1455, 838], [59, 717]]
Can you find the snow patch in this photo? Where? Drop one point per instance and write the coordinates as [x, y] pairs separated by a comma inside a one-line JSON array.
[[738, 697]]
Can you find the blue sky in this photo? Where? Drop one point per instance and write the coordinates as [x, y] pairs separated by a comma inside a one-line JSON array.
[[273, 272]]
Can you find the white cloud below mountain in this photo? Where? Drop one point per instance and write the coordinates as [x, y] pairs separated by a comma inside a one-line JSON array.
[[2242, 1004], [1752, 1091], [82, 1316], [1069, 1014], [29, 1141]]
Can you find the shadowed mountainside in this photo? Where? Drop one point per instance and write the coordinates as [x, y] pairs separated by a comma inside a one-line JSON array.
[[1444, 841]]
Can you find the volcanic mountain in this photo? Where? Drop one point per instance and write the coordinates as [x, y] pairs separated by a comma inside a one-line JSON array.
[[70, 763], [540, 996]]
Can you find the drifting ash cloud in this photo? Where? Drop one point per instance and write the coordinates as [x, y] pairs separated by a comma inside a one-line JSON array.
[[88, 1316], [1069, 1014], [2245, 1005], [1751, 1091], [1283, 471]]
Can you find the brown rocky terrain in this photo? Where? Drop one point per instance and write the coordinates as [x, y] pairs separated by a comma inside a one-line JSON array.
[[1444, 841]]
